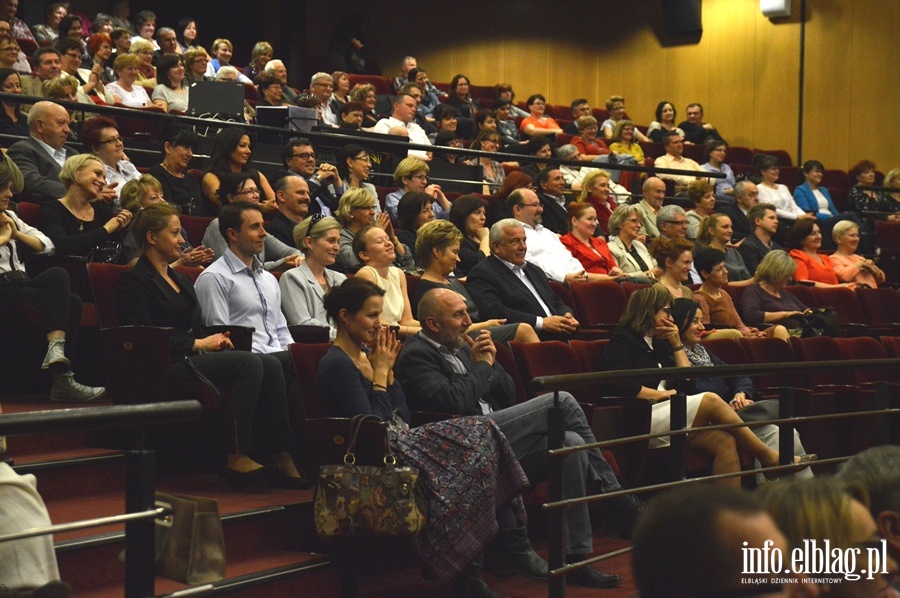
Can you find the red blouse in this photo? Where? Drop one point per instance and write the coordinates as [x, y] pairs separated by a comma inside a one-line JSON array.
[[810, 269], [596, 261], [597, 147]]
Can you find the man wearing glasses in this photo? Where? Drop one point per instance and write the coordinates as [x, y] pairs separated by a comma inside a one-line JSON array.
[[325, 184], [321, 85]]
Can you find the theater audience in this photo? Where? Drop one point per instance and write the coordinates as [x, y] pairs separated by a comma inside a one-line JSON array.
[[12, 121], [231, 152], [812, 197], [506, 125], [77, 223], [493, 174], [624, 243], [47, 66], [460, 98], [100, 136], [507, 287], [481, 467], [595, 190], [804, 242], [715, 162], [125, 90], [413, 211], [49, 292], [755, 246], [537, 123], [437, 251], [468, 214], [700, 192], [170, 94], [551, 186], [324, 180], [590, 250], [412, 175], [364, 93], [860, 201], [849, 266], [770, 191], [180, 187], [625, 141], [675, 257], [664, 123], [303, 288], [647, 337], [355, 212], [715, 232], [717, 308], [353, 165], [587, 141], [374, 248], [403, 114], [615, 106], [153, 294], [768, 301]]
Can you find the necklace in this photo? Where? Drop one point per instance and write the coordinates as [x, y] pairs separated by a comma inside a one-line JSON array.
[[81, 219], [170, 171]]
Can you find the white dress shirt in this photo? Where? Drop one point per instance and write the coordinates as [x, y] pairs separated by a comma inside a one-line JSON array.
[[546, 251]]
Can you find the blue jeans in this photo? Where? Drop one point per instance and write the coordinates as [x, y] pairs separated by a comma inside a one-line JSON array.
[[525, 427]]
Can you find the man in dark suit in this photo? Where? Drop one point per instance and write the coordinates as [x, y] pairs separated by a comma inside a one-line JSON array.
[[550, 189], [746, 195], [505, 286], [292, 202], [754, 248], [40, 157], [442, 369]]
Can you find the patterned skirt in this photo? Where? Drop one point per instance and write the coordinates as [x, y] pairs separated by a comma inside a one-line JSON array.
[[469, 472]]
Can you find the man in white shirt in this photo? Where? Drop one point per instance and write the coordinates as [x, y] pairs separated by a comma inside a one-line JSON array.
[[673, 158], [544, 247], [321, 85], [402, 115]]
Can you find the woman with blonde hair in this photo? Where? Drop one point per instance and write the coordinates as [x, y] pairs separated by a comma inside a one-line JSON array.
[[630, 253], [365, 94], [768, 301], [125, 90], [596, 190], [146, 72], [356, 210], [715, 231], [412, 175], [260, 55], [303, 288]]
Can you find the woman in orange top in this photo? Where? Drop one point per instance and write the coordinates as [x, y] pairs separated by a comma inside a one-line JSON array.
[[537, 123], [804, 241], [849, 266]]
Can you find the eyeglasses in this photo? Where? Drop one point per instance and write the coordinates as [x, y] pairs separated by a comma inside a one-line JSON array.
[[8, 48], [365, 159], [254, 191], [368, 208], [73, 55], [420, 177], [632, 219], [530, 205], [676, 222], [667, 310], [116, 139], [304, 155]]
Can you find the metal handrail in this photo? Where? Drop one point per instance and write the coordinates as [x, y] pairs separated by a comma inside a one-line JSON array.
[[344, 135], [84, 524], [106, 416], [556, 503]]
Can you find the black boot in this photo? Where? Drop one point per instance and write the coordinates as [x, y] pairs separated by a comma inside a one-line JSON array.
[[622, 512], [588, 576], [511, 552], [471, 584]]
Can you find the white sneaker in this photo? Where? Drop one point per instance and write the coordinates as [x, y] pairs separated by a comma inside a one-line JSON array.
[[66, 390], [56, 354]]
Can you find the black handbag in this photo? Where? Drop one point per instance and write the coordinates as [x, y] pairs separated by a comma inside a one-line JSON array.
[[820, 321]]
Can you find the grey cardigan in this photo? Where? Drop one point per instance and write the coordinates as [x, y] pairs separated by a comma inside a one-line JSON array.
[[302, 297]]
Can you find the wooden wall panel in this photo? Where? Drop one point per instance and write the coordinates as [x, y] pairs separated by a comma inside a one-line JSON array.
[[744, 69]]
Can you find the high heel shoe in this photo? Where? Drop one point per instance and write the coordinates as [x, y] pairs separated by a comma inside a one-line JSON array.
[[240, 480], [804, 460], [279, 479]]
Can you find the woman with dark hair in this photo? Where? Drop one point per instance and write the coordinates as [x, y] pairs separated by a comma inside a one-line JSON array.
[[186, 33], [863, 172], [537, 124], [9, 52], [413, 211], [100, 137], [714, 154], [541, 148], [804, 241], [461, 99], [468, 214], [171, 93], [770, 191], [447, 139], [70, 27], [49, 292], [485, 119], [648, 338], [675, 257], [716, 304], [812, 197], [353, 164], [231, 152], [737, 391], [446, 118], [48, 31], [180, 187], [477, 465], [591, 251], [239, 186], [505, 92], [700, 192], [270, 92], [12, 121], [153, 294], [493, 174], [665, 121]]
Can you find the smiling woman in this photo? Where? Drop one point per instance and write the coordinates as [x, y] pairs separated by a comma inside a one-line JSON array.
[[100, 136], [231, 152]]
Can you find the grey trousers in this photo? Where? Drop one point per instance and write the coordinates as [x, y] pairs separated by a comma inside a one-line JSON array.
[[525, 427]]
